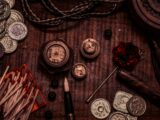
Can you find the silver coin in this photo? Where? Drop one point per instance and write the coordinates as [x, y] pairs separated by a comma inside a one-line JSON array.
[[136, 106], [117, 116], [11, 3], [17, 31], [100, 108], [2, 26], [4, 10], [15, 16], [120, 101], [9, 44]]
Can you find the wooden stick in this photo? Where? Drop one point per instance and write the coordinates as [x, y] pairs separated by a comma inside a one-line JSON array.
[[5, 72]]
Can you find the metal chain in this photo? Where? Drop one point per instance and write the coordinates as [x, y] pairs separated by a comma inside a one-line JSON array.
[[80, 11]]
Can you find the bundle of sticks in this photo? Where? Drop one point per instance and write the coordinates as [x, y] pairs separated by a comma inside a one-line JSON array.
[[18, 93]]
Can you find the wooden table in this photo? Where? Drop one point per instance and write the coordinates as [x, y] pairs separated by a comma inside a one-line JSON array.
[[123, 30]]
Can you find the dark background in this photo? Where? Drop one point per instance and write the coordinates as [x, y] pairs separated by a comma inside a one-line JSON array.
[[123, 30]]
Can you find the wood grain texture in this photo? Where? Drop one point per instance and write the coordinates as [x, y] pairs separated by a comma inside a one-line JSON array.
[[123, 30]]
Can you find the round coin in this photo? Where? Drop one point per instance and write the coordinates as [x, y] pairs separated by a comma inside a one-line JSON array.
[[136, 106], [15, 16], [79, 71], [2, 49], [9, 44], [2, 26], [17, 31], [100, 108], [4, 10], [11, 3], [117, 116], [90, 48]]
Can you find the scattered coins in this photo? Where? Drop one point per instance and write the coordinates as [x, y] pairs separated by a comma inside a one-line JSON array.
[[11, 3], [17, 31], [90, 48], [117, 116], [79, 71], [4, 10], [12, 27], [120, 101], [100, 108], [136, 106], [9, 44], [2, 49]]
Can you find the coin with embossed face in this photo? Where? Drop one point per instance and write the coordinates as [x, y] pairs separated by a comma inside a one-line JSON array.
[[90, 48], [79, 71], [117, 116], [100, 108], [2, 26], [4, 10], [120, 101], [11, 3], [15, 16], [17, 31], [136, 106], [9, 44]]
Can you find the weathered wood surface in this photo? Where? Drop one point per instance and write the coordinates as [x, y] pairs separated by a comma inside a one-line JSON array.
[[123, 30]]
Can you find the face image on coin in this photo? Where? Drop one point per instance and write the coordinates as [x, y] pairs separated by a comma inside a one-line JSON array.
[[17, 31], [136, 106], [117, 116]]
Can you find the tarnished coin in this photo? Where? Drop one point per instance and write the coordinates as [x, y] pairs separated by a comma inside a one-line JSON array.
[[2, 26], [117, 116], [136, 106], [79, 71], [2, 49], [100, 108], [131, 117], [17, 31], [90, 48], [9, 44], [11, 3], [120, 101], [15, 16], [4, 10]]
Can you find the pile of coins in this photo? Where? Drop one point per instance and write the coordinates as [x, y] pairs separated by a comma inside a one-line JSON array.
[[12, 27], [127, 106]]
